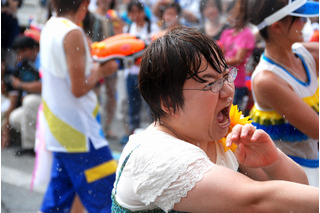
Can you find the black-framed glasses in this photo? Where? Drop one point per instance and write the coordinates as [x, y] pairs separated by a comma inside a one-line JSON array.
[[217, 85]]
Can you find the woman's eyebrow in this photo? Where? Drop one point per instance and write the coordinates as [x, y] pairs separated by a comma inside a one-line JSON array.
[[215, 75], [209, 75]]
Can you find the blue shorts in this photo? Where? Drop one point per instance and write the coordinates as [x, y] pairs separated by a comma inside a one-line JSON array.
[[90, 175]]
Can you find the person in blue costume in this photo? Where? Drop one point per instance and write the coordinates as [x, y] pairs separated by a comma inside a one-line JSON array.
[[178, 164], [285, 83]]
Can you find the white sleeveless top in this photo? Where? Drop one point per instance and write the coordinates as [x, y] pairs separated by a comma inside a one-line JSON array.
[[289, 139], [162, 169], [301, 88], [69, 121]]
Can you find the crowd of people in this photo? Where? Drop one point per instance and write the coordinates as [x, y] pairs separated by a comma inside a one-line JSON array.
[[201, 57]]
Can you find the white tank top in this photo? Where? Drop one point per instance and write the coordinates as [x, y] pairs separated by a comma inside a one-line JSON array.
[[69, 121], [289, 139]]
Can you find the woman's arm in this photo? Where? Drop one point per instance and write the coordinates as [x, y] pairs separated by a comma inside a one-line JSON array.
[[224, 190], [238, 58], [74, 47], [280, 171], [260, 159], [272, 92]]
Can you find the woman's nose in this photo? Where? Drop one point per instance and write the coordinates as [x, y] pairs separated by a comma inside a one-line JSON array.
[[227, 90]]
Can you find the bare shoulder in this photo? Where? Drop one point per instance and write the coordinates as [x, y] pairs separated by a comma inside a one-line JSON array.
[[268, 86], [267, 80], [73, 36], [74, 41]]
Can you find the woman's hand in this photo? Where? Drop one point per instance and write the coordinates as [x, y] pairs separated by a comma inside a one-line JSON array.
[[255, 147]]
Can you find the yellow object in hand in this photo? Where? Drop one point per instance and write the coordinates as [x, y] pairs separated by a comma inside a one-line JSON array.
[[236, 117]]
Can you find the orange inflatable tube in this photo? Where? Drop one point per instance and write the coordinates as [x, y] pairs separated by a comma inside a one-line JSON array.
[[119, 37], [118, 46], [123, 47]]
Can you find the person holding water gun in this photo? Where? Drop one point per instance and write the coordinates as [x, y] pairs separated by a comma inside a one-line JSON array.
[[82, 161]]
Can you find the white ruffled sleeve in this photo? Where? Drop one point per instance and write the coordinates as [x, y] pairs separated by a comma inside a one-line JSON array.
[[164, 172]]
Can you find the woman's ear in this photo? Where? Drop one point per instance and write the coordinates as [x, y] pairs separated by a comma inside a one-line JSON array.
[[167, 108], [274, 27], [277, 27]]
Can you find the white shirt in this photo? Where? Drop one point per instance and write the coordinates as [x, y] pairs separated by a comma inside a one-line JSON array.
[[162, 169], [70, 121]]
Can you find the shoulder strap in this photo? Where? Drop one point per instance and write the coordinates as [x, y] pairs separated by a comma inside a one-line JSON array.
[[116, 184], [122, 167]]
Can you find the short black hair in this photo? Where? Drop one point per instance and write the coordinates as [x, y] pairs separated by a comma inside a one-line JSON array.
[[257, 10], [24, 42], [174, 5], [172, 59], [135, 3], [204, 4], [63, 7]]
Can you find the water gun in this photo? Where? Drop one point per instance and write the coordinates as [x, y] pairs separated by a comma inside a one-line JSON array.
[[124, 47]]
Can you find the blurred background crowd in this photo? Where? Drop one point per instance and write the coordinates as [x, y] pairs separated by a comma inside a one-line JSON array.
[[21, 84]]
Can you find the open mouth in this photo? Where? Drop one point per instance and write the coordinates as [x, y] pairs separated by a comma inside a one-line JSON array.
[[223, 117]]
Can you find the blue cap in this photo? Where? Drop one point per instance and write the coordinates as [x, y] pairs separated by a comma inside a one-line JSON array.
[[309, 9], [300, 8]]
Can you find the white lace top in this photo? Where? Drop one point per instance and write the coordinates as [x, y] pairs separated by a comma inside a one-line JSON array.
[[162, 170]]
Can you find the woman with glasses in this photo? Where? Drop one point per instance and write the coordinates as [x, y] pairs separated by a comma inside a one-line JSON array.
[[285, 83], [177, 163]]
